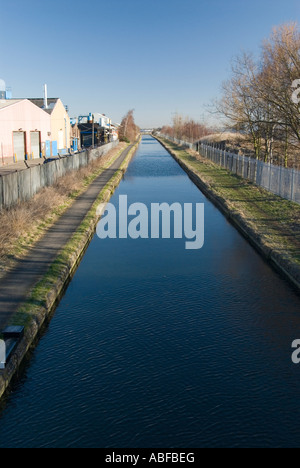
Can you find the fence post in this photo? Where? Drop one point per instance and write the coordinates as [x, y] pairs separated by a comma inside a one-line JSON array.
[[280, 180], [293, 185], [270, 176], [256, 171]]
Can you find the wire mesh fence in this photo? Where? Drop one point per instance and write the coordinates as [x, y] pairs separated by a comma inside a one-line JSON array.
[[276, 179]]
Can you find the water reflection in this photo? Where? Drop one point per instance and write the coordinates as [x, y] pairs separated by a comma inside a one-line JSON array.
[[156, 346]]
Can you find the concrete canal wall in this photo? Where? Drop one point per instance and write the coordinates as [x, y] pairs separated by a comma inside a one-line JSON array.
[[23, 185]]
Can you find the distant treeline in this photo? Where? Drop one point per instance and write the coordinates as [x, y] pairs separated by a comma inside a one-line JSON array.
[[186, 129]]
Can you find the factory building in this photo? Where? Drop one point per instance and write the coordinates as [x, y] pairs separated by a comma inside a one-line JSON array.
[[96, 129], [60, 138], [24, 130]]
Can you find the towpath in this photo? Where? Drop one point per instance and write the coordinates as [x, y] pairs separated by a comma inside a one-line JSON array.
[[18, 282]]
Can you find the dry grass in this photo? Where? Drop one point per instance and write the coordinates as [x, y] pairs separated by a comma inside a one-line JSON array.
[[237, 142], [224, 136], [23, 225]]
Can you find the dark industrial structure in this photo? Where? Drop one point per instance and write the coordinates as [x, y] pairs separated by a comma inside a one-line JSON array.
[[92, 134]]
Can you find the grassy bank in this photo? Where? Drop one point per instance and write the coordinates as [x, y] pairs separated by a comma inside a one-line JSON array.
[[44, 296], [271, 223], [22, 226]]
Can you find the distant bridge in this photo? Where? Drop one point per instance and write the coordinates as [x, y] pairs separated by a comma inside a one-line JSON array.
[[146, 131]]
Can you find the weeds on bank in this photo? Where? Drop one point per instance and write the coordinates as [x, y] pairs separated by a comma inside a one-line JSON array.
[[23, 225], [274, 219], [38, 296]]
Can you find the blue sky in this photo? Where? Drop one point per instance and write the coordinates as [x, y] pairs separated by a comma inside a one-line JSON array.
[[158, 57]]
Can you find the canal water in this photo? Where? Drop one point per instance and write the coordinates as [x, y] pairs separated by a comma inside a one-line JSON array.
[[157, 346]]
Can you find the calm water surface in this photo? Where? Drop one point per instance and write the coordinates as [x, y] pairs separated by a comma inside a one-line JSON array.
[[156, 346]]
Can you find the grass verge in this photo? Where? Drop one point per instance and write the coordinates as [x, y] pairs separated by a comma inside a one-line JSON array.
[[22, 226], [43, 297], [271, 223]]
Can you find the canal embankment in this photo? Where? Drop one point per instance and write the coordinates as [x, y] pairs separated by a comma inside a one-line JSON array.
[[270, 223], [26, 223], [156, 345], [31, 290]]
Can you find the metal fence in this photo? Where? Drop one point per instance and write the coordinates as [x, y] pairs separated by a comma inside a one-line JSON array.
[[276, 179], [183, 143], [23, 185]]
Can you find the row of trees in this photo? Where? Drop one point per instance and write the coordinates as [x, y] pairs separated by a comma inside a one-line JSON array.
[[128, 130], [261, 98], [186, 129]]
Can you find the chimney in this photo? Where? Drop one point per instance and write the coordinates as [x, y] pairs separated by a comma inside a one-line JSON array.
[[45, 97]]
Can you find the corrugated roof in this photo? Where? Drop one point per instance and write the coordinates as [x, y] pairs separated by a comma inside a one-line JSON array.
[[40, 103], [8, 102]]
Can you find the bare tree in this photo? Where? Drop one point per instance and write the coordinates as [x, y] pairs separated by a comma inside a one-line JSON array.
[[186, 129], [240, 101], [128, 130], [281, 67], [257, 99]]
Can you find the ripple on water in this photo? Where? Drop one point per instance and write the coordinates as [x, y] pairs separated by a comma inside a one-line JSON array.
[[153, 346]]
